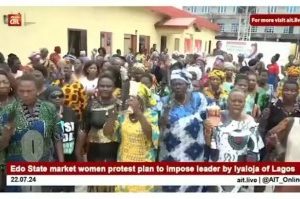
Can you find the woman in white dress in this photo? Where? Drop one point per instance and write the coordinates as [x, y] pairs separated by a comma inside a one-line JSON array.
[[90, 78], [236, 138]]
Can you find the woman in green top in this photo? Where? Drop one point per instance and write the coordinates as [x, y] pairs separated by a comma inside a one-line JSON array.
[[229, 76], [38, 133], [265, 90], [6, 92], [242, 83]]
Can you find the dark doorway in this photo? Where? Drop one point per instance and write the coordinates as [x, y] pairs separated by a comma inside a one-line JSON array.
[[77, 41], [144, 43], [209, 46], [163, 43], [134, 43]]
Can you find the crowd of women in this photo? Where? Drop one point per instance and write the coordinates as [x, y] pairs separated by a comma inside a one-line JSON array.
[[142, 107]]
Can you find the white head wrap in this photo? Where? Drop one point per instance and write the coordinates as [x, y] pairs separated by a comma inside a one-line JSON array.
[[182, 74], [196, 70]]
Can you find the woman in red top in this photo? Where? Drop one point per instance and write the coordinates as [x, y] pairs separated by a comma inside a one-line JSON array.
[[273, 70]]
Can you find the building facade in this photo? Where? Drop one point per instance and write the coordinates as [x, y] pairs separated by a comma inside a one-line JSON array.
[[87, 28], [234, 22]]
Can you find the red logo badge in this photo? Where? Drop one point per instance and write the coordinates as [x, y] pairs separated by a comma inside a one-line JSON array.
[[14, 20]]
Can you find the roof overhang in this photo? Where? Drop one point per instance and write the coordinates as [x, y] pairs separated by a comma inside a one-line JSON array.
[[174, 17], [177, 23]]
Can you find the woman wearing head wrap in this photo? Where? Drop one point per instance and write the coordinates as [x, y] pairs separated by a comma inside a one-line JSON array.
[[201, 63], [147, 79], [293, 74], [229, 76], [214, 93], [182, 139], [136, 131], [196, 76], [137, 71]]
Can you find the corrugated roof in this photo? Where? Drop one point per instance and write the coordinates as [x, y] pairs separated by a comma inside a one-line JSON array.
[[173, 12]]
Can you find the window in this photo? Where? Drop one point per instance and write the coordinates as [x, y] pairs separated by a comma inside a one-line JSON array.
[[222, 9], [272, 9], [234, 27], [241, 9], [198, 45], [291, 9], [269, 29], [234, 9], [187, 45], [252, 9], [288, 30], [291, 30], [177, 41], [221, 27], [205, 9], [194, 9], [254, 29]]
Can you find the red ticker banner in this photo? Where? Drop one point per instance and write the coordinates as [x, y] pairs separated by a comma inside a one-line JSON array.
[[275, 20]]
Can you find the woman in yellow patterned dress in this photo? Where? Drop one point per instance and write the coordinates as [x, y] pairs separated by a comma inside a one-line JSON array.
[[75, 95], [136, 132]]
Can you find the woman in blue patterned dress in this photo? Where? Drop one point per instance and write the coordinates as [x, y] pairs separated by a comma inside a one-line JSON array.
[[182, 139]]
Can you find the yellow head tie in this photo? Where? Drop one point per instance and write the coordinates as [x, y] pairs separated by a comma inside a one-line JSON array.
[[218, 74], [145, 93], [293, 71]]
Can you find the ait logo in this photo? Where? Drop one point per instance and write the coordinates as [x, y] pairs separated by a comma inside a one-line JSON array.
[[14, 19]]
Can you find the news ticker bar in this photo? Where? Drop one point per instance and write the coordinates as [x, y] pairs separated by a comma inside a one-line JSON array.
[[154, 168], [154, 180]]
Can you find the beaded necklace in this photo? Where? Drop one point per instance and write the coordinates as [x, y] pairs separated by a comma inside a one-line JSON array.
[[31, 116]]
